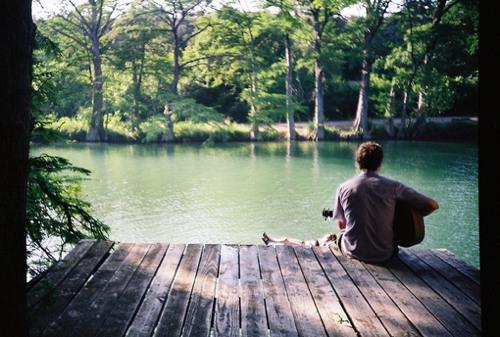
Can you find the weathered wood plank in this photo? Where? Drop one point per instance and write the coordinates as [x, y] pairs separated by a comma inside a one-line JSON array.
[[199, 316], [85, 296], [279, 313], [253, 311], [93, 317], [119, 317], [172, 316], [418, 314], [227, 309], [145, 290], [49, 308], [462, 282], [149, 311], [307, 319], [332, 314], [57, 273], [463, 304], [442, 310], [394, 321], [361, 315], [462, 266]]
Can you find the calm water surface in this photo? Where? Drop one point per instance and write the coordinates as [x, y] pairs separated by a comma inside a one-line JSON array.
[[232, 193]]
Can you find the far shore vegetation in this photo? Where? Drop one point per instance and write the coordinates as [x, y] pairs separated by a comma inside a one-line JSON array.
[[152, 130], [193, 70]]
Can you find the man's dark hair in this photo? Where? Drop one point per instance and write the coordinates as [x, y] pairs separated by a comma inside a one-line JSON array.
[[369, 156]]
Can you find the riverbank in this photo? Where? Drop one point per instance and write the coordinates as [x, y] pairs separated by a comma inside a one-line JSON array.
[[435, 129]]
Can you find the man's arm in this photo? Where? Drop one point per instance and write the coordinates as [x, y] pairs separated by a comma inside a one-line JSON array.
[[338, 211], [422, 203]]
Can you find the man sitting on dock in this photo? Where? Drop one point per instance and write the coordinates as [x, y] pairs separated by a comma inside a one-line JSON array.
[[364, 209]]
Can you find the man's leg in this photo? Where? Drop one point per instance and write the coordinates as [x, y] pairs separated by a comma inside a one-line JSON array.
[[281, 241]]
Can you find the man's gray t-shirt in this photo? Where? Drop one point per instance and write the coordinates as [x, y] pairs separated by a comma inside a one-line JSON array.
[[366, 204]]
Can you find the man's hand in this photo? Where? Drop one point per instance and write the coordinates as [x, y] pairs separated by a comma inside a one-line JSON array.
[[434, 204], [431, 206]]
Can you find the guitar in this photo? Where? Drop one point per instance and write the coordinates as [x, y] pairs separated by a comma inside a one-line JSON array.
[[408, 225], [409, 228]]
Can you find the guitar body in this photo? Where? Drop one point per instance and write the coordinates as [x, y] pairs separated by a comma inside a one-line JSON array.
[[409, 226]]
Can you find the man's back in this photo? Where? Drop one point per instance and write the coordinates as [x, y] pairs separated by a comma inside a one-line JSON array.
[[366, 204]]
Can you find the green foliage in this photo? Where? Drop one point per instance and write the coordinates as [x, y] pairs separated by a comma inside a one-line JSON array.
[[209, 132], [119, 130], [332, 133], [152, 129], [457, 130], [72, 128], [187, 109], [189, 131], [272, 108], [57, 215], [233, 66]]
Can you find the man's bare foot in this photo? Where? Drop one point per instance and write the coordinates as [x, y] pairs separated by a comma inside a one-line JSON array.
[[266, 238]]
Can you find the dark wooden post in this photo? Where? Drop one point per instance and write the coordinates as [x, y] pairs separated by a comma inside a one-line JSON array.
[[15, 131]]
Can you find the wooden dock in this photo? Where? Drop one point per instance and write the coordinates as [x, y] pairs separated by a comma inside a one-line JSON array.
[[106, 289]]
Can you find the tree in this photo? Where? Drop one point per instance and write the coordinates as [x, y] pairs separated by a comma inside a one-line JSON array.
[[290, 120], [86, 26], [441, 7], [135, 43], [15, 128], [319, 14], [177, 17], [319, 26], [289, 23], [441, 70], [375, 13], [235, 38]]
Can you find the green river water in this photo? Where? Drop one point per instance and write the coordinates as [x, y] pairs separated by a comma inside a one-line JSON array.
[[231, 193]]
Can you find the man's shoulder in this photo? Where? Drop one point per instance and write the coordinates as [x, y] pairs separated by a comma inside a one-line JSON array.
[[347, 183], [362, 179], [389, 180], [350, 183]]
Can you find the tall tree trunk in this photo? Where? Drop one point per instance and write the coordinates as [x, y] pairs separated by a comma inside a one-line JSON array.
[[291, 134], [404, 113], [319, 114], [15, 128], [361, 120], [96, 131], [421, 104], [254, 125], [390, 106], [254, 129], [168, 136], [390, 111], [137, 73], [136, 90], [177, 62]]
